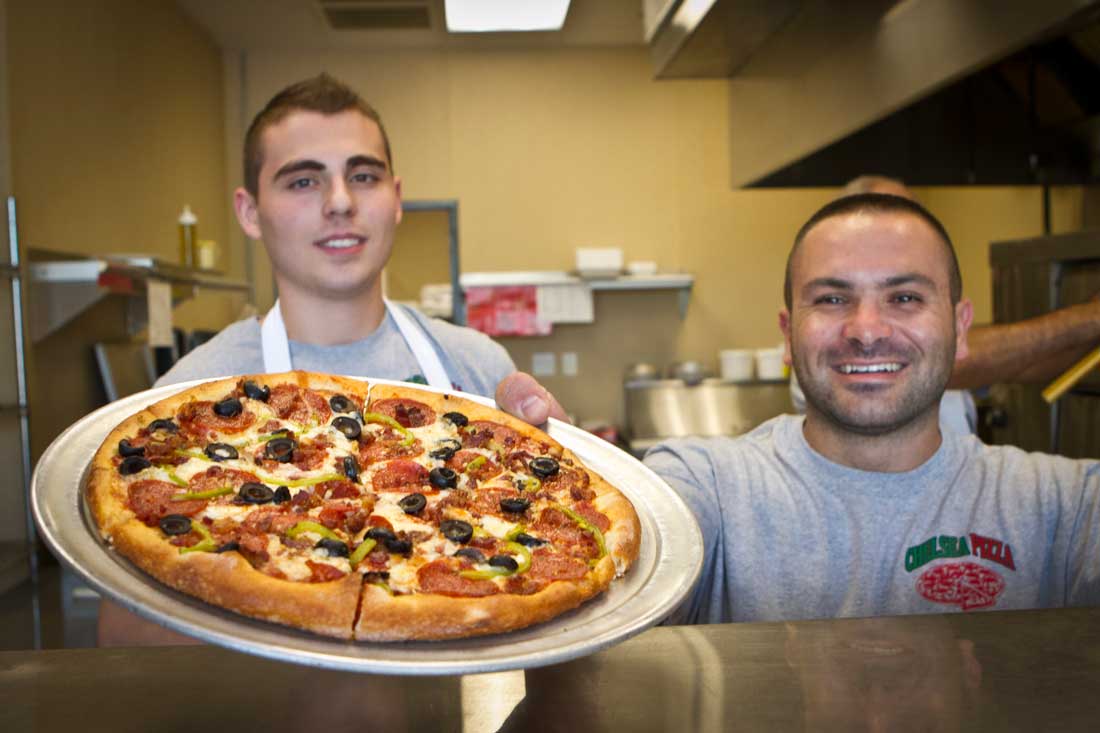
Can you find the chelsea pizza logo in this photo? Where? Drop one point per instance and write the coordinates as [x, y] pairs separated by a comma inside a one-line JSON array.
[[965, 584]]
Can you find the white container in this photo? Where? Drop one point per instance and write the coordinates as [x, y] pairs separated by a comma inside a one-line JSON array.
[[599, 262], [736, 364], [769, 364]]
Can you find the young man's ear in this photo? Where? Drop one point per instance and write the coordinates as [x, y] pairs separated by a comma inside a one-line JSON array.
[[244, 205], [400, 209]]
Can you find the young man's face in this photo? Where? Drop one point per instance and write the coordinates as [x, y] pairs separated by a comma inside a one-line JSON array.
[[872, 333], [327, 203]]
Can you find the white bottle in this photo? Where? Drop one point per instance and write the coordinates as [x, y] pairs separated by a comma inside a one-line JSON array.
[[187, 222]]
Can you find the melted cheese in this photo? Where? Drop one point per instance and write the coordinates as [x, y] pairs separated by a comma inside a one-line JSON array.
[[223, 511], [496, 527], [398, 518]]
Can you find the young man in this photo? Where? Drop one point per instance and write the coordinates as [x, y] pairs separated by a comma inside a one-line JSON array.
[[321, 193], [864, 507]]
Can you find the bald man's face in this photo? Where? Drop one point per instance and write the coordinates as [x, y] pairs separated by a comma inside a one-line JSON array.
[[872, 333]]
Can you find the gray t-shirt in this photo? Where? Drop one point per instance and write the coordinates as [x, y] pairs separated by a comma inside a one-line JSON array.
[[790, 535], [474, 362]]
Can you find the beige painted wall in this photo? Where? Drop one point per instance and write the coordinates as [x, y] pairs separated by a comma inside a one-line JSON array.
[[117, 121], [549, 150]]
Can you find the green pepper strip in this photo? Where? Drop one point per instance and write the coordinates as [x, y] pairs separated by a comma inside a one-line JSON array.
[[517, 530], [298, 483], [522, 564], [206, 544], [532, 484], [192, 495], [307, 526], [192, 453], [475, 464], [362, 551], [587, 527], [174, 478], [383, 585], [375, 417]]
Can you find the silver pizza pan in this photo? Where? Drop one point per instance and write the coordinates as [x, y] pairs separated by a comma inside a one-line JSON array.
[[670, 560]]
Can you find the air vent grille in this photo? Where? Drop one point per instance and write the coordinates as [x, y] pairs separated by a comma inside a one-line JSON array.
[[376, 16]]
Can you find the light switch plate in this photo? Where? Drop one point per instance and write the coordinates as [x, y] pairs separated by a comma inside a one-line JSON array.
[[569, 364], [543, 364]]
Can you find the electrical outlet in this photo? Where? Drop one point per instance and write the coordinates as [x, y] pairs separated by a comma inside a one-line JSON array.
[[543, 364], [569, 364]]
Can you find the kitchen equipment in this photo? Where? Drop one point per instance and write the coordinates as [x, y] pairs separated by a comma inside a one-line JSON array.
[[669, 562], [599, 262], [690, 372], [769, 364], [641, 372]]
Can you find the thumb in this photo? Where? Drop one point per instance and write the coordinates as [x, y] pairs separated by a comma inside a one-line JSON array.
[[521, 395]]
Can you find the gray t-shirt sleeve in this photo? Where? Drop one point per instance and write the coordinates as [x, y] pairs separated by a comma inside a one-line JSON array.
[[1083, 559], [687, 468]]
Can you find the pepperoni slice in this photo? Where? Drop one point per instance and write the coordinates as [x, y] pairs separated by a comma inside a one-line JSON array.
[[198, 419], [408, 413], [593, 515], [217, 477], [549, 565], [298, 404], [338, 489], [386, 447], [343, 515], [441, 577], [572, 480], [399, 474], [485, 471], [151, 499], [560, 529], [320, 572]]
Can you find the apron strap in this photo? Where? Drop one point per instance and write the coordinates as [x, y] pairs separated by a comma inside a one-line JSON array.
[[274, 342]]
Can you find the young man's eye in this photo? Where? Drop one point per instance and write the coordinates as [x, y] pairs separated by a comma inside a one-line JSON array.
[[829, 300], [363, 178], [300, 183], [907, 298]]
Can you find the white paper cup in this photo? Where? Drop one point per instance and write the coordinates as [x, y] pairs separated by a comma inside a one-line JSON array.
[[736, 364], [769, 364]]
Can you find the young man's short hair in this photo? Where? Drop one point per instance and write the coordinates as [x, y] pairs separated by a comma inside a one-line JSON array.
[[322, 94], [876, 203]]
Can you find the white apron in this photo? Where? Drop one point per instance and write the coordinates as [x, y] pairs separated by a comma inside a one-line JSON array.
[[276, 345]]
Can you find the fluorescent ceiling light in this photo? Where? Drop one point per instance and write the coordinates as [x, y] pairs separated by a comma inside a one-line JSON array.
[[481, 16]]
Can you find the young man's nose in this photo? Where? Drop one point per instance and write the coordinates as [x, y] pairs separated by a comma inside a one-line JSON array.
[[338, 200]]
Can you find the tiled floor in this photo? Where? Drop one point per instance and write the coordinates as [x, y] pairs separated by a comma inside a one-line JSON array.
[[56, 613]]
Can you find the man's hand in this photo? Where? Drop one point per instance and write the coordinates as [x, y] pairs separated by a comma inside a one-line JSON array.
[[521, 395]]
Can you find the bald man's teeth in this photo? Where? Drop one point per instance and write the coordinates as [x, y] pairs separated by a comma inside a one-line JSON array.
[[869, 368], [341, 243]]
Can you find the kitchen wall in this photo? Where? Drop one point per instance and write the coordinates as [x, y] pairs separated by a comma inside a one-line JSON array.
[[547, 150], [116, 121]]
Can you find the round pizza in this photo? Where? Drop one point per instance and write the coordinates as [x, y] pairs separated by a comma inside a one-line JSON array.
[[356, 510]]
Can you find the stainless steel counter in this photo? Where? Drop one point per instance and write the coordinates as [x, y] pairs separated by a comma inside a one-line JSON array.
[[1030, 670]]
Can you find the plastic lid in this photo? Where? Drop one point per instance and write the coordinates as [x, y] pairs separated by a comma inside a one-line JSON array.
[[188, 217]]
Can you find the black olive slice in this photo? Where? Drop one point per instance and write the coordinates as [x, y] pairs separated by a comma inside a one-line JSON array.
[[335, 548], [516, 505], [349, 426], [220, 452], [381, 534], [126, 450], [166, 425], [281, 494], [280, 449], [175, 524], [443, 478], [229, 407], [412, 503], [133, 464], [446, 449], [228, 546], [456, 530], [254, 493], [457, 419], [544, 466], [351, 468], [400, 547], [504, 561], [340, 403], [528, 541], [254, 391], [470, 553]]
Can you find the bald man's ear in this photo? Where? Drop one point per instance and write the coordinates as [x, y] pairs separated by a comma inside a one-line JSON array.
[[785, 327], [244, 206], [964, 316]]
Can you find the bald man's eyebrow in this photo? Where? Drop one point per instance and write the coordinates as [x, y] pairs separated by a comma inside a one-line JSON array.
[[834, 283], [910, 278], [357, 160], [296, 166]]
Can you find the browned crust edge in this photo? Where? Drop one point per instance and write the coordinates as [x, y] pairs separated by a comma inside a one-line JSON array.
[[227, 580]]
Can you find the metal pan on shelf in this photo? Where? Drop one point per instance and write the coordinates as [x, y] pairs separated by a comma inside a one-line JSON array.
[[668, 565]]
